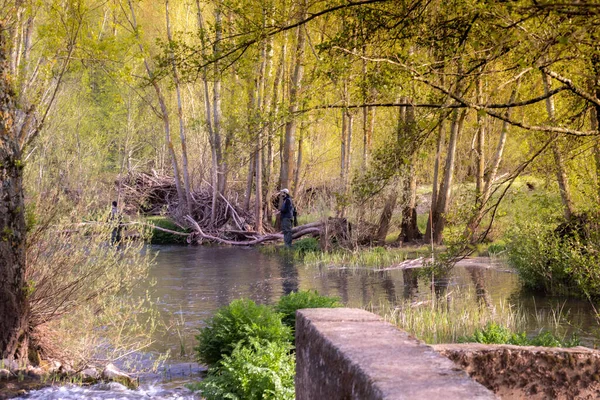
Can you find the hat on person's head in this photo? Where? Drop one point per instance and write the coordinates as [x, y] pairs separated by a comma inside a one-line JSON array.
[[285, 191]]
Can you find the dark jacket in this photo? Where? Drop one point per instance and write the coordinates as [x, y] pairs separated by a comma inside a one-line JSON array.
[[287, 208]]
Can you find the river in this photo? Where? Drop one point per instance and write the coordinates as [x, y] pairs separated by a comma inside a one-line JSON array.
[[190, 283]]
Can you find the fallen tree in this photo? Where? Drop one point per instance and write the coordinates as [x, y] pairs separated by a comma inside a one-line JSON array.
[[253, 238]]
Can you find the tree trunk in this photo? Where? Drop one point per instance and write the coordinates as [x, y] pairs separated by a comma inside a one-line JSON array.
[[296, 85], [184, 158], [482, 200], [409, 229], [386, 217], [436, 173], [438, 218], [249, 181], [163, 109], [217, 140], [480, 147], [299, 160], [209, 120], [407, 132], [14, 307], [561, 171]]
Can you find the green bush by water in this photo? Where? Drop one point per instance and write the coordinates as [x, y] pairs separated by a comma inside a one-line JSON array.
[[555, 265], [288, 304], [254, 370], [497, 334], [249, 349], [238, 322]]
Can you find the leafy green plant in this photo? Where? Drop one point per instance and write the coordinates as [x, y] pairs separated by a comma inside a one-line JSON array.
[[237, 323], [288, 304], [306, 245], [162, 237], [256, 369]]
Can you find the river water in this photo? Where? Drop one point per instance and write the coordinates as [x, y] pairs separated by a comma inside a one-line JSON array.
[[190, 283]]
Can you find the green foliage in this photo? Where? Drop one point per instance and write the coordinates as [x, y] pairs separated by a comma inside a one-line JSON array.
[[162, 237], [306, 245], [288, 304], [497, 334], [237, 323], [553, 264], [254, 370]]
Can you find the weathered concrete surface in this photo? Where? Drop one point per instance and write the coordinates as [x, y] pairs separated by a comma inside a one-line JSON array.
[[533, 373], [344, 353]]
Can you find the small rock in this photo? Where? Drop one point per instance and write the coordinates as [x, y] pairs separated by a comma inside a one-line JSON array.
[[4, 373], [89, 375], [112, 373]]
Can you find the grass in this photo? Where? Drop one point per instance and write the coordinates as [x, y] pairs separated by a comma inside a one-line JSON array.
[[451, 321], [372, 257]]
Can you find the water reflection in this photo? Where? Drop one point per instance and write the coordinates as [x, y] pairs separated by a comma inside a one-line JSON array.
[[192, 282]]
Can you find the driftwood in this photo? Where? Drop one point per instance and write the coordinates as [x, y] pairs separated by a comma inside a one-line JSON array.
[[299, 231]]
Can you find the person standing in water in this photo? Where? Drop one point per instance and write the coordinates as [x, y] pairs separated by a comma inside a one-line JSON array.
[[115, 218], [287, 216]]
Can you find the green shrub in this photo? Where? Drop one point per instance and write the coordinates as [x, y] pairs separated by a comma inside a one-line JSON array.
[[288, 304], [496, 334], [555, 265], [306, 245], [254, 370], [162, 237], [237, 323]]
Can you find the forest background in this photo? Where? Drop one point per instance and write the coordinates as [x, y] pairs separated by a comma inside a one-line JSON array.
[[446, 121]]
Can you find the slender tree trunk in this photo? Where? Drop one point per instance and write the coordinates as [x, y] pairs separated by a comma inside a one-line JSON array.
[[249, 181], [163, 109], [407, 137], [184, 158], [436, 173], [482, 200], [561, 171], [343, 147], [438, 217], [480, 149], [299, 160], [14, 306], [217, 140], [209, 119], [595, 115], [386, 216], [296, 85]]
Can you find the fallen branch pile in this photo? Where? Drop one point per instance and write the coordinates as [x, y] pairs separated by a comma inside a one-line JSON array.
[[230, 224], [154, 194]]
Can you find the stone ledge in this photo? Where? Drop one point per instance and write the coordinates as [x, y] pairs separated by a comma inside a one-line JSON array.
[[346, 353], [535, 373]]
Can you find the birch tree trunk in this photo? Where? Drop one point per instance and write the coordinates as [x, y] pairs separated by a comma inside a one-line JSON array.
[[561, 171], [184, 158]]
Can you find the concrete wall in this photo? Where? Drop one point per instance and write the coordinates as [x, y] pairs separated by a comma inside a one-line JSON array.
[[344, 353]]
